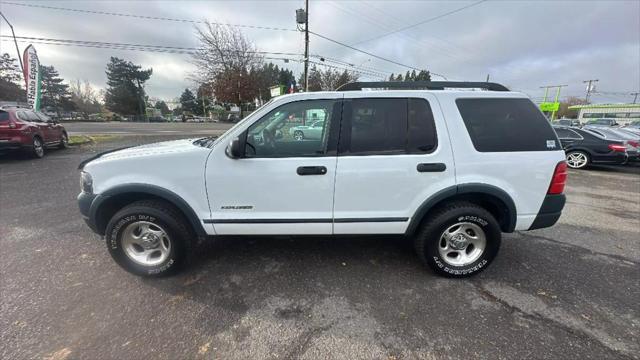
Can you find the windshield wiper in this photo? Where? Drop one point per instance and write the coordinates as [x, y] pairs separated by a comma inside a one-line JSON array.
[[205, 141]]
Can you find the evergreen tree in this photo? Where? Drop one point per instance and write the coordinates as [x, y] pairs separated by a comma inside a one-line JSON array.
[[162, 106], [188, 101], [11, 84], [55, 94], [125, 92]]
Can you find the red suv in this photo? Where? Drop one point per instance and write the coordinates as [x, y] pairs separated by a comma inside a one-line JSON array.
[[30, 130]]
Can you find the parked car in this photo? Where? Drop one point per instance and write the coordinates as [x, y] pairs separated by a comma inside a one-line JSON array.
[[451, 169], [23, 129], [233, 118], [566, 122], [583, 148], [631, 140], [601, 122], [312, 131]]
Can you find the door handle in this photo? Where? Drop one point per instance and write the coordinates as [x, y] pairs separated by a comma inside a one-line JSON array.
[[431, 167], [311, 170]]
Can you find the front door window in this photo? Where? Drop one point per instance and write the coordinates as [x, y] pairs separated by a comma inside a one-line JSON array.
[[283, 133]]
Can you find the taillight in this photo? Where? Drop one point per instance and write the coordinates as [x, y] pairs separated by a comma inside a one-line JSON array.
[[634, 143], [617, 148], [559, 179]]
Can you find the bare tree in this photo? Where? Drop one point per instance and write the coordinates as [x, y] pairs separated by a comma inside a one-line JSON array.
[[224, 52]]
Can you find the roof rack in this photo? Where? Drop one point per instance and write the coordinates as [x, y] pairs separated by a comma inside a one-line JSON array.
[[427, 85]]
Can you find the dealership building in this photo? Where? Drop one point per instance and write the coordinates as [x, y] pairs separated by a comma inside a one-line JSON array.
[[622, 113]]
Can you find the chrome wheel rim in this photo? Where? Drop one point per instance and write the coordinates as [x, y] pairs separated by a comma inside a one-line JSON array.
[[37, 147], [146, 243], [298, 136], [462, 244], [577, 160]]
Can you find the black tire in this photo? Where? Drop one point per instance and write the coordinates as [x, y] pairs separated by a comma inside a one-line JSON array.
[[64, 141], [428, 240], [164, 216], [37, 148]]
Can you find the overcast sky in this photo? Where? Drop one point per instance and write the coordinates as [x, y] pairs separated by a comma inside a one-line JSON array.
[[522, 44]]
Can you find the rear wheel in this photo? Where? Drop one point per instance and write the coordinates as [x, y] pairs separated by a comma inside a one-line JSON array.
[[148, 238], [298, 135], [459, 240], [577, 159], [37, 148]]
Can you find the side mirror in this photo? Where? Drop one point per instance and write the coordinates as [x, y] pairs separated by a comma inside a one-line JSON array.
[[235, 150]]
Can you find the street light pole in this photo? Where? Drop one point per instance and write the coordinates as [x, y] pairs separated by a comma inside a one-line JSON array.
[[15, 42]]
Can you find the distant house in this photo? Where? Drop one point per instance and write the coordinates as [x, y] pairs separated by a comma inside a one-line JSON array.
[[622, 113]]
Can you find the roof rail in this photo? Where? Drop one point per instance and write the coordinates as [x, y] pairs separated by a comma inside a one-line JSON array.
[[416, 85]]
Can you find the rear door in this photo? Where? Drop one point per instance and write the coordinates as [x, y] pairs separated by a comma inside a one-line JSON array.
[[393, 154], [43, 127]]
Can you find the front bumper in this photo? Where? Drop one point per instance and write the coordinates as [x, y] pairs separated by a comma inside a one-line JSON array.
[[550, 211], [85, 200]]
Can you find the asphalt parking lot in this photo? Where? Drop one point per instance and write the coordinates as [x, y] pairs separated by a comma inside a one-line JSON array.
[[567, 292]]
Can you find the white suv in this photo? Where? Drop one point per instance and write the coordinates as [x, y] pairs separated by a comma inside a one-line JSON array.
[[452, 169]]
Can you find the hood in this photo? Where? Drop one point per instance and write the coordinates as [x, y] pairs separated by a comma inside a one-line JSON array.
[[160, 148]]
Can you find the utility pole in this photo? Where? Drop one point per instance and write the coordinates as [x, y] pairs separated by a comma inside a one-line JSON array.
[[15, 42], [635, 96], [557, 98], [589, 88], [306, 46], [302, 17]]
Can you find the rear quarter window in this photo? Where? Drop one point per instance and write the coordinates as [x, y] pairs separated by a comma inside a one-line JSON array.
[[506, 124]]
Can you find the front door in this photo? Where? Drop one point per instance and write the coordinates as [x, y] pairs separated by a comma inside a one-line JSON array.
[[281, 185]]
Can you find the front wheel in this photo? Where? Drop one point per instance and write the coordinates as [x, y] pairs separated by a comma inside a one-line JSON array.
[[37, 148], [64, 141], [577, 159], [298, 135], [459, 240], [148, 238]]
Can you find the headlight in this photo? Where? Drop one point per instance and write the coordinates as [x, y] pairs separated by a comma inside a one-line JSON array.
[[86, 182]]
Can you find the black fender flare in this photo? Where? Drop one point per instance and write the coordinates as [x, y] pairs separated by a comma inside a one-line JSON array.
[[461, 189], [153, 190]]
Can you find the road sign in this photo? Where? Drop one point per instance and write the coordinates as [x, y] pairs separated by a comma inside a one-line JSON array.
[[549, 106]]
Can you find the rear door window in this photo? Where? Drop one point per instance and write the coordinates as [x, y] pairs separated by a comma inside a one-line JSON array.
[[385, 126], [506, 124]]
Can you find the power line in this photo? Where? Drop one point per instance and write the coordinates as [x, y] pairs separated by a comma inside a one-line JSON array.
[[349, 64], [370, 54], [422, 22], [130, 46], [95, 12], [362, 72], [379, 23]]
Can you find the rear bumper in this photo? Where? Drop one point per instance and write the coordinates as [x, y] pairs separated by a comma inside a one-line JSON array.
[[13, 144], [550, 211]]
